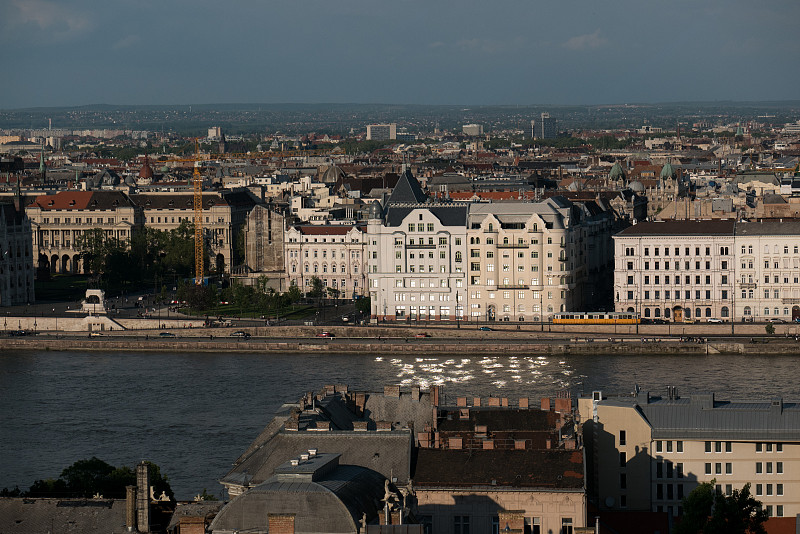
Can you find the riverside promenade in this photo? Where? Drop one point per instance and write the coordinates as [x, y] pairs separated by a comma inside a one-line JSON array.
[[429, 339]]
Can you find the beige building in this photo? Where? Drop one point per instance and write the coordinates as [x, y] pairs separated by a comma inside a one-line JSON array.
[[334, 254], [264, 235], [647, 453], [528, 261], [58, 220], [676, 270]]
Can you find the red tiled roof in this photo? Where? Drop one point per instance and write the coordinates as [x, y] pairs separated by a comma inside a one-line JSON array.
[[65, 200]]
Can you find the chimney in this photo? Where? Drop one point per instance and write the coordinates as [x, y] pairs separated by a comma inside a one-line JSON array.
[[415, 393], [519, 444], [281, 523], [476, 402], [143, 497], [548, 443], [504, 402], [391, 391], [545, 404], [454, 443], [383, 425], [488, 444], [523, 403], [563, 405], [461, 402], [434, 396], [361, 402], [130, 508], [494, 401]]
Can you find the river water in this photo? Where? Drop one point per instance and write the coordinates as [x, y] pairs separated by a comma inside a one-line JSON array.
[[194, 414]]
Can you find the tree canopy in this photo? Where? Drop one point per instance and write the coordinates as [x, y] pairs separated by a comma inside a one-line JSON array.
[[85, 478], [708, 511]]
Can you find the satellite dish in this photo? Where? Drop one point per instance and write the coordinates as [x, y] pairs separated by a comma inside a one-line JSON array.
[[609, 501]]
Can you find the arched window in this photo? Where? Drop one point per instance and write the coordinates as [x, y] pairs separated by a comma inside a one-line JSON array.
[[698, 313], [747, 310], [505, 241], [708, 312], [724, 312], [658, 312], [647, 312], [687, 312], [666, 313], [491, 227], [631, 310], [766, 311]]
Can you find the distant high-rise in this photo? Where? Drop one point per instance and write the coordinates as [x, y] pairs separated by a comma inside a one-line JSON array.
[[545, 128], [381, 132], [472, 129], [214, 133]]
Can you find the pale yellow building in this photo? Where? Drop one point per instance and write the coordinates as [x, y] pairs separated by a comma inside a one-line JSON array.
[[648, 453]]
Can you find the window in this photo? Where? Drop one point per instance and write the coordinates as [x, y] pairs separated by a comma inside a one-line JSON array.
[[622, 437], [659, 446], [708, 446], [728, 468], [533, 525], [779, 468], [708, 468], [623, 459], [759, 468], [461, 524], [566, 525], [623, 481]]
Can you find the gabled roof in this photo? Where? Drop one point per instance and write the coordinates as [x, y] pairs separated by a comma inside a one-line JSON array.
[[82, 200], [79, 516], [407, 190]]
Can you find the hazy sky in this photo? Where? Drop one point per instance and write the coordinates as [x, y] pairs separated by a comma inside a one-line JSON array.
[[75, 52]]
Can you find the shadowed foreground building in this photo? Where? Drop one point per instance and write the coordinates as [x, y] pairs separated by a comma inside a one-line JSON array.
[[343, 461]]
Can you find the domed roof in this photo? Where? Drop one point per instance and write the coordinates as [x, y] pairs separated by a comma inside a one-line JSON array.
[[332, 175], [616, 172], [636, 187], [667, 171], [146, 172], [375, 210]]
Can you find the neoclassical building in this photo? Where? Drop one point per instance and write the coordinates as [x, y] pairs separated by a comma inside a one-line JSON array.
[[334, 254], [58, 220], [676, 270]]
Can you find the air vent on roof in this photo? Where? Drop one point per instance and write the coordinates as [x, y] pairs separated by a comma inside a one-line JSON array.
[[304, 457], [597, 395], [312, 452], [294, 462]]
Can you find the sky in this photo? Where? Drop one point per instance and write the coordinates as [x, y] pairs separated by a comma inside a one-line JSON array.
[[527, 52]]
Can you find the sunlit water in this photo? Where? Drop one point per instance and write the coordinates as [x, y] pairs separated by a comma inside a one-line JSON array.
[[194, 414]]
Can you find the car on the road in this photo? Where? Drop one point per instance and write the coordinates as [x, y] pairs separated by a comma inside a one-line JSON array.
[[326, 334], [422, 334], [240, 333], [18, 333], [166, 334], [95, 334], [776, 320], [658, 321], [714, 320], [485, 329]]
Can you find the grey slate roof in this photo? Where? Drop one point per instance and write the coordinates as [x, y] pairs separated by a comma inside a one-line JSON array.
[[656, 228], [770, 227], [387, 452], [701, 416], [449, 215], [194, 509], [407, 190], [81, 516], [334, 502]]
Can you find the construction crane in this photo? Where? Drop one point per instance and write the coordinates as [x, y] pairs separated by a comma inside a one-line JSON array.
[[197, 186]]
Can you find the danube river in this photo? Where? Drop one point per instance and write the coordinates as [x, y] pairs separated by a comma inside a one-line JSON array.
[[194, 415]]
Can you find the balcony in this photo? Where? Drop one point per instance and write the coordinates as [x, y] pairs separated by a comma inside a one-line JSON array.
[[748, 285], [512, 286], [512, 245], [420, 246]]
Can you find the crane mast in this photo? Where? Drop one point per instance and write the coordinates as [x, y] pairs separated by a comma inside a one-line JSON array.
[[197, 180]]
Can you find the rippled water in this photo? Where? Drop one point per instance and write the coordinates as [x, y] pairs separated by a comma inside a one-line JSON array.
[[193, 414]]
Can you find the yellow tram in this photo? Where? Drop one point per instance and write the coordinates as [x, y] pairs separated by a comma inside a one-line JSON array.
[[596, 318]]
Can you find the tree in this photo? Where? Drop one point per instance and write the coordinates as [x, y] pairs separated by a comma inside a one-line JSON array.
[[294, 293], [317, 288], [708, 511], [363, 305], [770, 328]]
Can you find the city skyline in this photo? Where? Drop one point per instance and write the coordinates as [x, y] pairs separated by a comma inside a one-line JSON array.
[[71, 53]]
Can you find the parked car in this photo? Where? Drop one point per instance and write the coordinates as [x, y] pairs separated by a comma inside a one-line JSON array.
[[240, 333], [95, 334], [776, 320], [422, 334], [166, 334], [485, 329], [326, 334], [714, 320], [18, 333]]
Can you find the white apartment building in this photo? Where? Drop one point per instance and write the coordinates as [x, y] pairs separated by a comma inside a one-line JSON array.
[[528, 261], [381, 132], [334, 254], [768, 265], [417, 259], [676, 270]]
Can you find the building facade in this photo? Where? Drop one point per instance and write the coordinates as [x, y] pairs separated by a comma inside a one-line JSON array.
[[16, 257], [648, 453], [381, 132], [676, 270], [334, 254], [58, 221], [528, 261]]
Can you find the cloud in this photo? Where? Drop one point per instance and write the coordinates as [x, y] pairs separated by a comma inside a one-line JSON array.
[[589, 40], [58, 20], [127, 41]]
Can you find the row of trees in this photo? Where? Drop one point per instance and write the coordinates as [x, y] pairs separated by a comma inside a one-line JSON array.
[[150, 254], [86, 478]]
